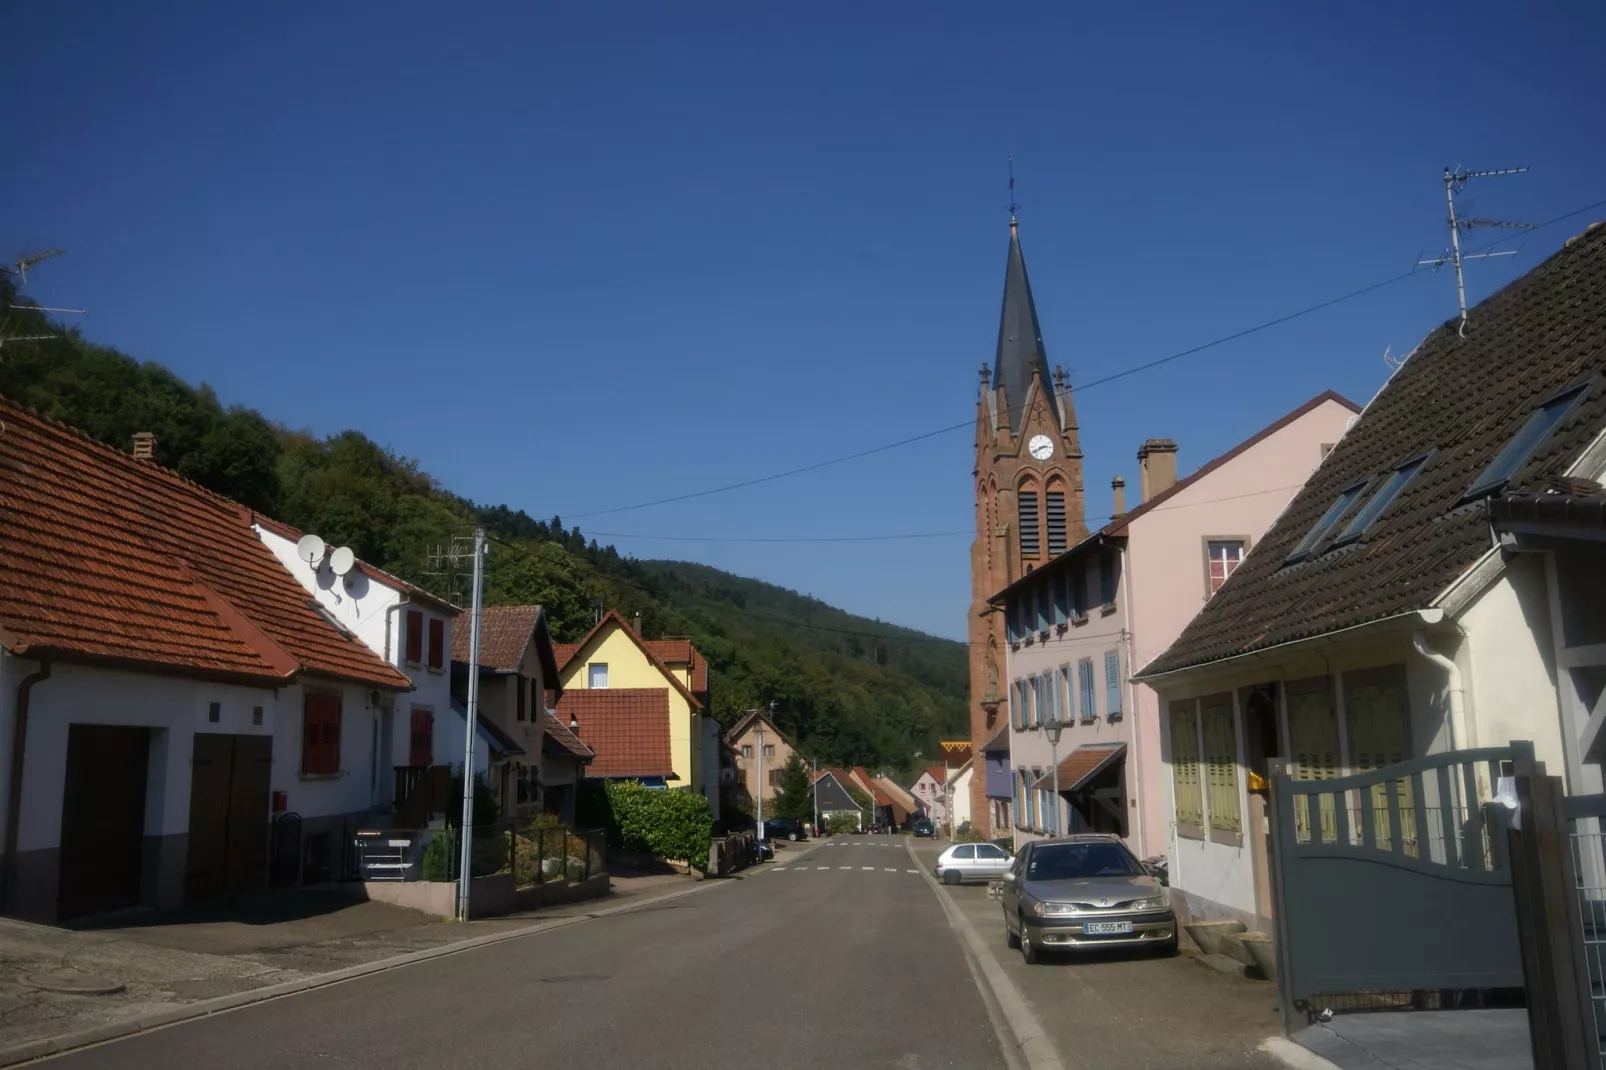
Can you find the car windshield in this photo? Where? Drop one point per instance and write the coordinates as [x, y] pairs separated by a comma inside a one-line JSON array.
[[1080, 861]]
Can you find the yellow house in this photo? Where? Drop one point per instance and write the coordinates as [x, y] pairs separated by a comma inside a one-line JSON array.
[[614, 657]]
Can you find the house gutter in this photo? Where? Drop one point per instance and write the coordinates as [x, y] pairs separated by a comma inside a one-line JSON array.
[[19, 741], [1400, 621]]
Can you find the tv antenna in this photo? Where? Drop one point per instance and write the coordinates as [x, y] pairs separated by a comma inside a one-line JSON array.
[[28, 260], [1012, 205], [449, 566], [1455, 180]]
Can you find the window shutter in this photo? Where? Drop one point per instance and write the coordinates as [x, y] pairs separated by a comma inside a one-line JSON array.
[[1055, 500], [1112, 682], [1030, 540], [1059, 588], [1042, 608], [1078, 583], [415, 636], [437, 642], [320, 734], [1185, 764], [1221, 765], [422, 749]]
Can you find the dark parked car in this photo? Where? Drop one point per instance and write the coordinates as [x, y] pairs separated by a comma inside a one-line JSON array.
[[784, 828], [924, 827], [878, 828]]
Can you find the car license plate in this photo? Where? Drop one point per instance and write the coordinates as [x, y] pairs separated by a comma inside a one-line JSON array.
[[1106, 928]]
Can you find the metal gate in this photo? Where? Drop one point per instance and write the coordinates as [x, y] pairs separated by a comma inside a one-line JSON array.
[[1394, 880]]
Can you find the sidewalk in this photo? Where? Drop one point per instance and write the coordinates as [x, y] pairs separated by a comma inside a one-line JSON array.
[[56, 980], [1134, 1010]]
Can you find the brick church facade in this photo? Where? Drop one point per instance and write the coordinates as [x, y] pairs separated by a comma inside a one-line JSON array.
[[1029, 504]]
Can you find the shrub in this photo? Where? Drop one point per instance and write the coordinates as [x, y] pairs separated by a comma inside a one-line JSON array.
[[838, 824], [966, 834], [666, 824], [440, 857]]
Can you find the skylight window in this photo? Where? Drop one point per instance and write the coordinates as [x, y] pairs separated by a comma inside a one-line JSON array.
[[1540, 424], [1329, 521], [1379, 501]]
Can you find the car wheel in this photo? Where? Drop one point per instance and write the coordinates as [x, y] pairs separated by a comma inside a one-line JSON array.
[[792, 836], [1028, 950], [1009, 934], [952, 877]]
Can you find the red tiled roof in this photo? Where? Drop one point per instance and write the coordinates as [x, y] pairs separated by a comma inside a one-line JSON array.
[[504, 635], [558, 732], [682, 652], [567, 652], [627, 728], [110, 559], [1458, 401], [938, 773]]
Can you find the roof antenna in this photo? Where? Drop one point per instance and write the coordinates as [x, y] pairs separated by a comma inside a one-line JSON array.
[[1012, 205], [1455, 180]]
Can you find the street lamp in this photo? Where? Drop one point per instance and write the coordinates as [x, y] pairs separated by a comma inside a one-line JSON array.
[[1052, 728]]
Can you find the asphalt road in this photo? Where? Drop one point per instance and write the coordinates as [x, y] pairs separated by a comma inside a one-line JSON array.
[[850, 965]]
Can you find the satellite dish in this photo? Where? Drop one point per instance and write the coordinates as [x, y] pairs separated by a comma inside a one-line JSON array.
[[341, 561], [310, 549]]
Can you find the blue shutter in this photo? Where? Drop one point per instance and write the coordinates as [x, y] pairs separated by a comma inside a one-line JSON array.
[[1058, 588], [1112, 682], [1078, 582], [1084, 680], [1042, 608], [1012, 621]]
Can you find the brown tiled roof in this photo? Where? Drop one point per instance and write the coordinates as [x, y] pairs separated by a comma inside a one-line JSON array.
[[1084, 763], [504, 635], [557, 732], [567, 652], [1119, 525], [682, 652], [1463, 399], [938, 773], [627, 729], [119, 561]]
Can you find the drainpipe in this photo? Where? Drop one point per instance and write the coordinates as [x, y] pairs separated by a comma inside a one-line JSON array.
[[1453, 685], [19, 741], [401, 602]]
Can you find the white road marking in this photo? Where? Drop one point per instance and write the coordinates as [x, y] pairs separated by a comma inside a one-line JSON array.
[[889, 871], [844, 867], [911, 871], [868, 869], [780, 869]]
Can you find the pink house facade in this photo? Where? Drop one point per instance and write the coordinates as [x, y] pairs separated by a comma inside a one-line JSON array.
[[1078, 626]]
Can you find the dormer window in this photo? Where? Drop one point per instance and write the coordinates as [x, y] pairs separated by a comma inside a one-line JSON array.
[[1541, 422], [1380, 500], [1335, 512]]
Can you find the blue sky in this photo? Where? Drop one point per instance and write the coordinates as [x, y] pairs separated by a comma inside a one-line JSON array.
[[577, 256]]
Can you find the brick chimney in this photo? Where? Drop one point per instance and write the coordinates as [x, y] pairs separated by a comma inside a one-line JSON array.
[[638, 622], [1157, 467], [1118, 492], [144, 446]]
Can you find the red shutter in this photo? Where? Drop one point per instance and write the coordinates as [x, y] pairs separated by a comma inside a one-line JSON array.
[[320, 734], [423, 738], [415, 636], [437, 642]]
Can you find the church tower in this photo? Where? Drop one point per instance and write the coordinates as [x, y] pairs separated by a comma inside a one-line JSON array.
[[1029, 508]]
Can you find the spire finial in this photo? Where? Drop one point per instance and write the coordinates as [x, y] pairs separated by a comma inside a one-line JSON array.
[[1012, 205]]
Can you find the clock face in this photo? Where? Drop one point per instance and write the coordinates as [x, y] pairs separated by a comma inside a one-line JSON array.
[[1041, 447]]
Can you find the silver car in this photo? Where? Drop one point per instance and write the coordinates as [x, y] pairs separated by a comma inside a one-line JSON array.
[[1084, 891], [972, 861]]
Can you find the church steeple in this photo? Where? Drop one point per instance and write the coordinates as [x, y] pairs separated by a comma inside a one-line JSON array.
[[1020, 339]]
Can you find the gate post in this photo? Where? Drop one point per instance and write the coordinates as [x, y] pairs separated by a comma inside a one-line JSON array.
[[1282, 842], [1561, 1015]]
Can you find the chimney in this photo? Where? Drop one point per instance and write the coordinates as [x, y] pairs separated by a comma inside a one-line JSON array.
[[1118, 492], [1157, 467], [638, 622], [144, 446]]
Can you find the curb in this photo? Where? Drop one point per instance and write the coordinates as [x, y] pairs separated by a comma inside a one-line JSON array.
[[1294, 1056], [1007, 1007], [100, 1034]]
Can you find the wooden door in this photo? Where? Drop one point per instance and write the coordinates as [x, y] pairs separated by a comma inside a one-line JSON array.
[[228, 841], [102, 819], [422, 749]]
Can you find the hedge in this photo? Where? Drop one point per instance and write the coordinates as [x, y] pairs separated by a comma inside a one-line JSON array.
[[666, 824]]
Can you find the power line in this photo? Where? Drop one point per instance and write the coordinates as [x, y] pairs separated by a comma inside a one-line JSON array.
[[797, 539], [1351, 295]]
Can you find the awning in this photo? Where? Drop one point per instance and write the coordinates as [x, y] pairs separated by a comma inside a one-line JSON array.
[[999, 742], [1082, 768]]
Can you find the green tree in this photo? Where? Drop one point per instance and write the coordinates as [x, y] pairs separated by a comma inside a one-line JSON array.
[[794, 794]]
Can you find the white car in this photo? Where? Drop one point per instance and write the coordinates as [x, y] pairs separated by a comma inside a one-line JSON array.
[[972, 861]]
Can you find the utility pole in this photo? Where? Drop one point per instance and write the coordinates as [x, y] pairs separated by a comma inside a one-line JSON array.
[[761, 777], [465, 872], [815, 785], [1455, 180]]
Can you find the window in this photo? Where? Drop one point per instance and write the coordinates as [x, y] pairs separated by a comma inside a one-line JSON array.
[[597, 674], [1185, 764], [320, 734], [1367, 515], [437, 643], [1078, 583], [1030, 544], [256, 715], [1225, 557], [989, 850], [421, 741], [415, 637], [747, 750], [1522, 445], [214, 712], [521, 687], [1328, 522], [1084, 680], [1112, 683], [774, 777], [1014, 792], [1221, 763], [1043, 611], [965, 852], [1054, 500], [1053, 694], [1067, 703], [1017, 706], [1012, 620], [1109, 576], [1061, 605], [769, 750]]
